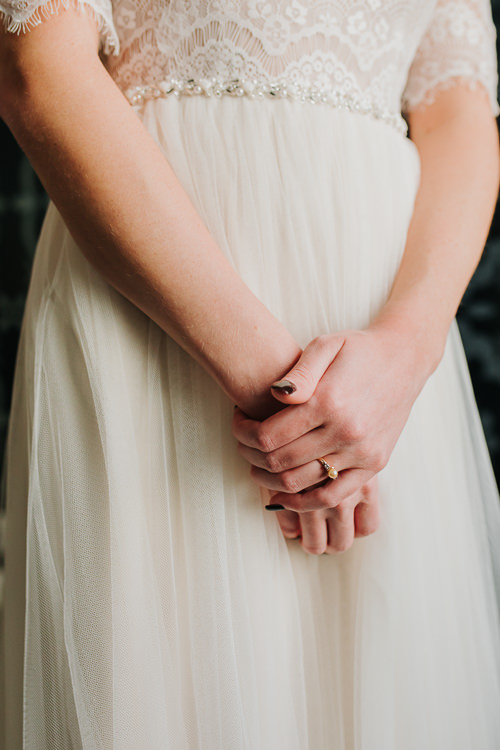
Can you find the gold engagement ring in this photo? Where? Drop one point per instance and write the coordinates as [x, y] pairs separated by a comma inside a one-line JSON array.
[[330, 470]]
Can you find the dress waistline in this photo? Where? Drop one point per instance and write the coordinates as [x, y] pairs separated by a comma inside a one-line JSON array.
[[139, 95]]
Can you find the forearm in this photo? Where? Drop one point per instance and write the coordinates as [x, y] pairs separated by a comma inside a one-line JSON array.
[[130, 217], [458, 145]]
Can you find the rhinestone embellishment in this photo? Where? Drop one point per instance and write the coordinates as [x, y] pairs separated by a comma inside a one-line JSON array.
[[139, 95]]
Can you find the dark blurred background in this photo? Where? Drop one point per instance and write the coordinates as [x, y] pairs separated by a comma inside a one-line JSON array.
[[22, 206]]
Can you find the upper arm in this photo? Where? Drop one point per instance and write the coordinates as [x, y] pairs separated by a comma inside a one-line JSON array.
[[20, 16], [39, 40], [56, 51]]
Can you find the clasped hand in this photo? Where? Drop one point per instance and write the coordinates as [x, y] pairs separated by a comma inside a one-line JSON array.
[[353, 394]]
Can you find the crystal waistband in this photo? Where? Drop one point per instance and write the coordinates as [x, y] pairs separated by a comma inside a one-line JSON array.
[[139, 95]]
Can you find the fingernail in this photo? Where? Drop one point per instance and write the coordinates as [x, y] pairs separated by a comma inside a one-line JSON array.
[[286, 387], [275, 506]]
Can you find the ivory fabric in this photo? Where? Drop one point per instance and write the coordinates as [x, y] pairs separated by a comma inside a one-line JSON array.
[[151, 601], [371, 52]]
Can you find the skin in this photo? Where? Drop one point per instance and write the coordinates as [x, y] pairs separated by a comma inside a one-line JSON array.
[[61, 105], [353, 378], [131, 217]]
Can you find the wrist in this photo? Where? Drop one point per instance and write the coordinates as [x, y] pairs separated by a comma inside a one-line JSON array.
[[249, 384], [421, 337]]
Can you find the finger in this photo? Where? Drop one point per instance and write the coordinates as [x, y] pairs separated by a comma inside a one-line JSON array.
[[340, 525], [303, 452], [278, 430], [299, 384], [326, 496], [289, 523], [300, 479], [367, 511], [314, 533], [242, 426]]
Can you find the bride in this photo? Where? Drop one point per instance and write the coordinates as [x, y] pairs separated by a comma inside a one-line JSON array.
[[238, 218]]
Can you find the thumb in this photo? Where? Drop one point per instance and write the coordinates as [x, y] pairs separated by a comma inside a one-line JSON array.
[[299, 384]]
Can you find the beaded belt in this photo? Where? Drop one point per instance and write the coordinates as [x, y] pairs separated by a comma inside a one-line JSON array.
[[139, 95]]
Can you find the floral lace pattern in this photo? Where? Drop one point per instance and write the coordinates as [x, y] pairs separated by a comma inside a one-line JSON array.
[[459, 45], [23, 15], [351, 48], [369, 54]]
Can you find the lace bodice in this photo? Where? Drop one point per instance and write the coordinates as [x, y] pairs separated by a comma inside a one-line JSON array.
[[374, 56]]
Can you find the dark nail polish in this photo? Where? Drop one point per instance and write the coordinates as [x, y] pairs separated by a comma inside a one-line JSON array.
[[286, 387], [275, 506]]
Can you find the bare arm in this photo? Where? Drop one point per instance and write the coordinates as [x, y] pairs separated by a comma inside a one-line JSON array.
[[358, 387], [457, 140], [128, 213]]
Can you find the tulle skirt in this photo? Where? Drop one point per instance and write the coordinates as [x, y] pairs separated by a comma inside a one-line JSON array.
[[152, 602]]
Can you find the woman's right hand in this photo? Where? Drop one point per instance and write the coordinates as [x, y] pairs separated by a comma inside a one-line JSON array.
[[333, 530], [353, 392]]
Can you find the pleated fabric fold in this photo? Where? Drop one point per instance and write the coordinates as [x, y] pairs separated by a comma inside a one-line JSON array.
[[164, 609]]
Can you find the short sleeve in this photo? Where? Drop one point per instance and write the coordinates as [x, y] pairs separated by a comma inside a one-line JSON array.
[[22, 15], [457, 46]]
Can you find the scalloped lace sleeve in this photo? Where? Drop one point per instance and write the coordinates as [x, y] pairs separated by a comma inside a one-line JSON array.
[[22, 15], [459, 45]]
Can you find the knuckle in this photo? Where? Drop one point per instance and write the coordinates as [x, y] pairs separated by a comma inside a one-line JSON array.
[[313, 548], [352, 431], [289, 524], [320, 342], [367, 519], [344, 512], [302, 372], [341, 545], [368, 493], [263, 440], [325, 497], [291, 535], [378, 459], [273, 463], [361, 533], [371, 455], [290, 483], [331, 403], [291, 503], [291, 530], [369, 528], [371, 500]]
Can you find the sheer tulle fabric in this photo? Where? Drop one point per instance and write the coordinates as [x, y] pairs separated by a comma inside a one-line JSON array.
[[165, 610]]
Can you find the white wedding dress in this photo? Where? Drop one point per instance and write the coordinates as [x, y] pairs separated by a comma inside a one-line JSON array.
[[164, 610]]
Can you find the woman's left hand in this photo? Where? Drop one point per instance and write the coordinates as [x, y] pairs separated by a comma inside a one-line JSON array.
[[353, 394], [333, 530]]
